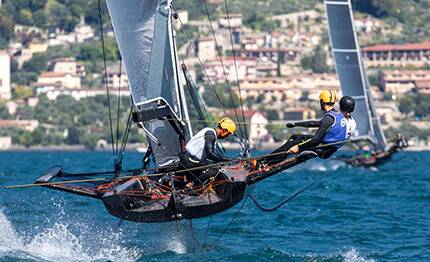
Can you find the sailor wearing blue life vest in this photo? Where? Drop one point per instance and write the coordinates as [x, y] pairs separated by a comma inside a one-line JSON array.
[[332, 128]]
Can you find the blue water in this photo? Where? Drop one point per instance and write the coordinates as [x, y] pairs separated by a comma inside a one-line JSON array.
[[352, 215]]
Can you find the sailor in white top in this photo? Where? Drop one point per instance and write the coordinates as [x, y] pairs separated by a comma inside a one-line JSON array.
[[347, 105], [201, 148]]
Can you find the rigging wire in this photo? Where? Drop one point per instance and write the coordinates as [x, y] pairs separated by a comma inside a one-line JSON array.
[[236, 70], [211, 85], [119, 104], [106, 80], [222, 65], [285, 201]]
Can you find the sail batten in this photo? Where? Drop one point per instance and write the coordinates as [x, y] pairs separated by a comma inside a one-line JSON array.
[[350, 68]]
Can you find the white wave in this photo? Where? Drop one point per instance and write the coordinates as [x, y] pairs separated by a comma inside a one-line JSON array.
[[58, 243], [353, 255], [9, 240], [327, 165]]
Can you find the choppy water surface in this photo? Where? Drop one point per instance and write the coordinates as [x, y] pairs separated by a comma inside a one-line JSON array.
[[352, 215]]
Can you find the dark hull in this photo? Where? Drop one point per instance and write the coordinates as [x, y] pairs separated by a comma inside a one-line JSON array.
[[130, 199]]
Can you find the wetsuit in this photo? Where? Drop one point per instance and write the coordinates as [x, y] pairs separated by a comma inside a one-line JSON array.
[[331, 129], [201, 150]]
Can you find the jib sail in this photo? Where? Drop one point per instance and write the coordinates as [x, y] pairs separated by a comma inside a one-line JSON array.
[[145, 39]]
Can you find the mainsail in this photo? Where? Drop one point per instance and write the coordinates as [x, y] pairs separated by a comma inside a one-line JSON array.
[[145, 38], [350, 69]]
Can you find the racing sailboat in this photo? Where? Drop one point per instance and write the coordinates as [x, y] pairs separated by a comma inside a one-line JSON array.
[[354, 83], [146, 40]]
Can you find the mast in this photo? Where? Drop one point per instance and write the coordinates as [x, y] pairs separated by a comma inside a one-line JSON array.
[[179, 85], [351, 71], [143, 29]]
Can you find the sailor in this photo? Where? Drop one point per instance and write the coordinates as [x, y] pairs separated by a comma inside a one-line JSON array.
[[347, 105], [201, 150], [332, 128]]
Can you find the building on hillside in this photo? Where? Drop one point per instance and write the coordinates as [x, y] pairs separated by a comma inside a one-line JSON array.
[[114, 79], [232, 21], [83, 31], [388, 113], [52, 92], [58, 80], [5, 141], [299, 114], [28, 125], [246, 69], [182, 19], [37, 47], [258, 132], [422, 87], [68, 65], [368, 24], [399, 82], [295, 39], [288, 89], [277, 55], [296, 18], [386, 55], [254, 41], [206, 49], [5, 92]]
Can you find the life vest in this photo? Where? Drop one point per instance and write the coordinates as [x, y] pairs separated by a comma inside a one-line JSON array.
[[338, 131], [196, 145]]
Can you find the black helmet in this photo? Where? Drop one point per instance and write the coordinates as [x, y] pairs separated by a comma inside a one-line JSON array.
[[347, 104]]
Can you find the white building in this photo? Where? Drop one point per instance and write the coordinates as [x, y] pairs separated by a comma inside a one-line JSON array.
[[297, 17], [62, 80], [258, 133], [68, 65], [235, 21], [52, 92], [246, 69], [114, 78], [5, 141], [5, 76], [83, 31], [206, 49]]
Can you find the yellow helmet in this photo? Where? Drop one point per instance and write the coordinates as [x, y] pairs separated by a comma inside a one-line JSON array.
[[228, 125], [328, 96]]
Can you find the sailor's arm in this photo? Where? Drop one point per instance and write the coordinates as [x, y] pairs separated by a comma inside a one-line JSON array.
[[307, 124], [210, 149]]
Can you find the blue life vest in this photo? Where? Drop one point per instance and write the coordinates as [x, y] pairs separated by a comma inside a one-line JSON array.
[[337, 131]]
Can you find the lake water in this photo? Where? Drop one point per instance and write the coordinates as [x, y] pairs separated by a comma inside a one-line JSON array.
[[352, 215]]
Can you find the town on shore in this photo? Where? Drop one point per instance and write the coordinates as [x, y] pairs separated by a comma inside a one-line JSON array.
[[53, 85]]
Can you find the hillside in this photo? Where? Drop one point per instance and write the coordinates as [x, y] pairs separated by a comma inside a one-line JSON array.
[[65, 14]]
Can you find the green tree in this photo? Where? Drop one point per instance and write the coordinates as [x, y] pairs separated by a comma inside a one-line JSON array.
[[306, 62], [37, 64], [319, 60], [25, 17], [4, 113], [6, 28], [73, 136], [22, 92], [273, 115]]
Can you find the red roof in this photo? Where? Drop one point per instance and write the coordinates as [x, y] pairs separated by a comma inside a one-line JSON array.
[[52, 74], [404, 47]]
